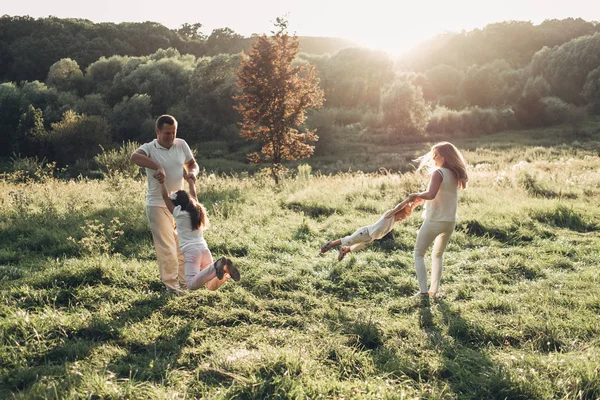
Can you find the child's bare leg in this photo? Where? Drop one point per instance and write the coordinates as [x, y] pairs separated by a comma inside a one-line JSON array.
[[329, 245], [216, 283], [343, 251]]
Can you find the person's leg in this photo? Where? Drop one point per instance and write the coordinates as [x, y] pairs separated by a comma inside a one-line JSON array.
[[357, 241], [360, 236], [165, 243], [180, 265], [437, 254], [359, 246], [329, 245], [207, 263], [425, 237], [195, 275]]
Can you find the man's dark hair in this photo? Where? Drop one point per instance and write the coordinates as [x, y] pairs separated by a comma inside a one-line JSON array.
[[165, 119]]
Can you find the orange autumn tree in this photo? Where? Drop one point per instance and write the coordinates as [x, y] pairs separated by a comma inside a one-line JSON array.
[[274, 98]]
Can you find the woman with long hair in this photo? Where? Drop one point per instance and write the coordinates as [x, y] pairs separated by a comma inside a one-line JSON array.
[[448, 175]]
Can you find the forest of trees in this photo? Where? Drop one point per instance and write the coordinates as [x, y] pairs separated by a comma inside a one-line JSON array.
[[73, 87]]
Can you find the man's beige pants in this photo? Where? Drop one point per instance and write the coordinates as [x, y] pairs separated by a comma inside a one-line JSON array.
[[170, 259]]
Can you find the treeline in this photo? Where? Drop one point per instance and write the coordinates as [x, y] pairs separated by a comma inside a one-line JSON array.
[[514, 42], [30, 46], [75, 109]]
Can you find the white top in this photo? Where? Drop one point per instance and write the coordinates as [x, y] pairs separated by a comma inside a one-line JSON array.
[[172, 160], [185, 233], [382, 227], [443, 206]]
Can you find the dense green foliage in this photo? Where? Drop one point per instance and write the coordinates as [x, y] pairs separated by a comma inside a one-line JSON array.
[[510, 75], [83, 313], [30, 46]]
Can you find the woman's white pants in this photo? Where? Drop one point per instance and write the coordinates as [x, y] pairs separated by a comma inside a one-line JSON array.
[[440, 232]]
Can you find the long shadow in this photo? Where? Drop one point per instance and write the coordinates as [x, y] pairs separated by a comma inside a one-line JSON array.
[[78, 344], [152, 361], [467, 368]]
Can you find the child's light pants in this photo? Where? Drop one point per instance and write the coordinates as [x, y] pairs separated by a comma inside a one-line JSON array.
[[199, 268], [358, 240], [440, 232]]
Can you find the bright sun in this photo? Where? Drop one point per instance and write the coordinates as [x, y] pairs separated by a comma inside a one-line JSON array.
[[394, 27]]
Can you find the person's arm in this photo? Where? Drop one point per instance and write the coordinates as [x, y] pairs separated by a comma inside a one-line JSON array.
[[165, 195], [415, 203], [140, 158], [192, 170], [432, 188], [192, 183], [397, 209]]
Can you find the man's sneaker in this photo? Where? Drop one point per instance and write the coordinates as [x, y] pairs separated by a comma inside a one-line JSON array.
[[232, 270], [220, 267]]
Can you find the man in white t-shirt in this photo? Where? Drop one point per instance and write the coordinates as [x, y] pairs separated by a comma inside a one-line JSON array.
[[167, 159]]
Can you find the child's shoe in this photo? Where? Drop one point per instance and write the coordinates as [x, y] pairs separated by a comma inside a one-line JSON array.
[[232, 270], [220, 267]]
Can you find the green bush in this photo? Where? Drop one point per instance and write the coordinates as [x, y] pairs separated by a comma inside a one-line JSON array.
[[117, 161]]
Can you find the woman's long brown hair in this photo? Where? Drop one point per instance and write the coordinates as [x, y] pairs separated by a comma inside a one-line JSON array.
[[454, 161]]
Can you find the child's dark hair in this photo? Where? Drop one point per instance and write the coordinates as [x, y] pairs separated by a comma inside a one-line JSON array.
[[198, 213]]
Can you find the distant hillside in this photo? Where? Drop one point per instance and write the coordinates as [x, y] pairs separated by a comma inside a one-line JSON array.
[[30, 46], [513, 41], [323, 45]]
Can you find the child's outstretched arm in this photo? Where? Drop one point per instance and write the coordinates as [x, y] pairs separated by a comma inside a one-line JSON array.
[[165, 195], [415, 203], [192, 184], [398, 207]]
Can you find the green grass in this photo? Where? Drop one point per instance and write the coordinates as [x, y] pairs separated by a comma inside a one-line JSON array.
[[83, 313]]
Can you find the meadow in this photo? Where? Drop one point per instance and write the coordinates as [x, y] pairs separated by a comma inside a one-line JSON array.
[[84, 315]]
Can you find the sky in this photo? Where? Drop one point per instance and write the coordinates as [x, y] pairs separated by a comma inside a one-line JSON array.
[[393, 25]]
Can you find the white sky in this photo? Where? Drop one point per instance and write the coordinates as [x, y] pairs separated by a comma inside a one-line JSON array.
[[393, 25]]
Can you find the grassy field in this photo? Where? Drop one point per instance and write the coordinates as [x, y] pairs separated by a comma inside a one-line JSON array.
[[85, 316]]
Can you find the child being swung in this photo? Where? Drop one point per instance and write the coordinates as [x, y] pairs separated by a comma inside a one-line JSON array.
[[366, 234], [191, 219]]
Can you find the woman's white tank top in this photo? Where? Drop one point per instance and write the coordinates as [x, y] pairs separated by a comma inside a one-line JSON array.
[[443, 207]]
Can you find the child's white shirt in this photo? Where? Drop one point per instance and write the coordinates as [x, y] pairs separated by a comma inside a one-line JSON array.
[[186, 235], [382, 227]]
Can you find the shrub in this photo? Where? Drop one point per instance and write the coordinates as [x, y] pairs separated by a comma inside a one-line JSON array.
[[117, 160], [77, 136], [471, 121], [404, 108], [30, 168], [99, 238]]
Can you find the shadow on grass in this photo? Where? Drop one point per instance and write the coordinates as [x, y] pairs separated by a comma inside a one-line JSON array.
[[466, 367], [144, 360], [315, 211], [349, 281], [515, 234]]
